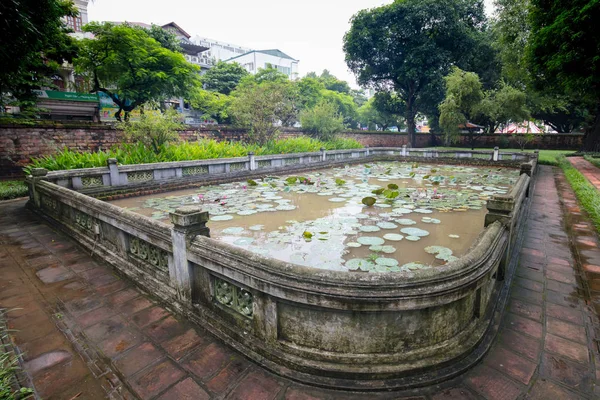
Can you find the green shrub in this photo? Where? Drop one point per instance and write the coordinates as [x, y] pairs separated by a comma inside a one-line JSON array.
[[322, 121], [593, 160], [8, 369], [586, 193], [153, 129], [12, 189], [139, 153]]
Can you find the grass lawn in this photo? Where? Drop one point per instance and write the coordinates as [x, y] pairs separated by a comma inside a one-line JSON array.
[[546, 157], [12, 189], [586, 193]]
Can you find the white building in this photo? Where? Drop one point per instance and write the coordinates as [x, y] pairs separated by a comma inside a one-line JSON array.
[[77, 22], [252, 60], [255, 60], [218, 51]]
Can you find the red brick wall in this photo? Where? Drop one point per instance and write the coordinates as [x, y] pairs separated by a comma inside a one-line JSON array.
[[18, 144]]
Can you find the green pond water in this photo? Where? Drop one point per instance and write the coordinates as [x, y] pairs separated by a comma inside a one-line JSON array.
[[423, 215]]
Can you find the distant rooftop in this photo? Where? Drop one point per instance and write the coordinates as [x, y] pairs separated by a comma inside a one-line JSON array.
[[271, 52]]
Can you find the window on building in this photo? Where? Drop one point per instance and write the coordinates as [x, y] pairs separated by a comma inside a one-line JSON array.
[[249, 67], [74, 23]]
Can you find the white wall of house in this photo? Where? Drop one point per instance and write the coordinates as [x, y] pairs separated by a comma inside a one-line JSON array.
[[256, 60], [218, 51]]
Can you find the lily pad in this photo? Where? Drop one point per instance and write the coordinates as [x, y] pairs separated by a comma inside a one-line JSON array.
[[246, 212], [369, 201], [222, 218], [243, 241], [454, 236], [405, 221], [353, 244], [370, 240], [359, 263], [337, 200], [422, 211], [394, 237], [413, 238], [387, 225], [234, 230], [369, 228], [414, 266], [414, 232], [386, 262], [440, 252]]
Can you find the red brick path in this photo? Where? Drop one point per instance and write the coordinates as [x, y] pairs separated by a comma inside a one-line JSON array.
[[589, 170], [85, 331]]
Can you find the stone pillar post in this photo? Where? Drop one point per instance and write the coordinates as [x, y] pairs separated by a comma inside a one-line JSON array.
[[189, 222], [113, 169], [368, 151], [323, 154], [37, 174], [252, 161], [403, 150], [526, 168], [499, 209], [496, 156]]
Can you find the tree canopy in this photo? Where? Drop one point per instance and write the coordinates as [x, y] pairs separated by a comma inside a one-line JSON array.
[[564, 54], [379, 112], [259, 108], [408, 46], [34, 45], [466, 101], [224, 77], [132, 67], [323, 120]]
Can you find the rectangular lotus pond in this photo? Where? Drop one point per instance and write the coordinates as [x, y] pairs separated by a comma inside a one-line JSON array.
[[423, 215], [368, 269]]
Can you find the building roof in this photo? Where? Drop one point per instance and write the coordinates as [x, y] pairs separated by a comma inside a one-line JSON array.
[[174, 25], [272, 52], [470, 125]]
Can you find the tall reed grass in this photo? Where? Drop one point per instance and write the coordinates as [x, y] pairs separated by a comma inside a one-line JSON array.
[[139, 153]]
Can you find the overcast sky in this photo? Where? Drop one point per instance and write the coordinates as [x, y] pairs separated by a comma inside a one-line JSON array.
[[308, 30]]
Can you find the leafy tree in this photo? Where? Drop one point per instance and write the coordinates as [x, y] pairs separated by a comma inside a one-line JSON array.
[[345, 106], [408, 46], [502, 105], [378, 112], [466, 101], [35, 44], [323, 120], [133, 68], [330, 82], [261, 108], [224, 77], [512, 30], [359, 97], [564, 54], [154, 129], [463, 97], [210, 103], [270, 74], [309, 92], [167, 39]]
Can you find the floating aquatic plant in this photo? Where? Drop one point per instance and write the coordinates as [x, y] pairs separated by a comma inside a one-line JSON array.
[[415, 232], [369, 201]]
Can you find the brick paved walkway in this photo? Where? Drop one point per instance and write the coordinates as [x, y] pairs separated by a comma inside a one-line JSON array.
[[88, 334], [589, 170]]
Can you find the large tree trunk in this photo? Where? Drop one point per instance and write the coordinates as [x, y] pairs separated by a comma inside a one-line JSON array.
[[591, 141], [412, 131], [411, 114]]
